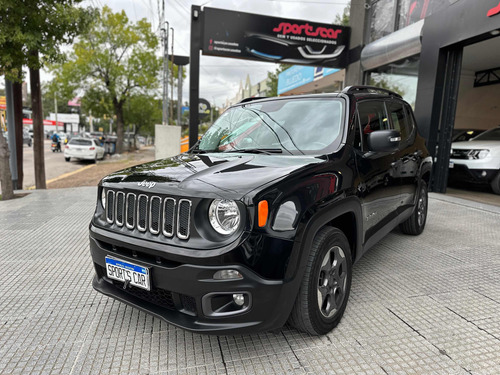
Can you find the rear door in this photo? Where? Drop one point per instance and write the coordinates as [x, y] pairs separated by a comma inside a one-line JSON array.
[[378, 189]]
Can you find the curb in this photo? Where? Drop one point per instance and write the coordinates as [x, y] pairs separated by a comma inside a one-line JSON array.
[[64, 175]]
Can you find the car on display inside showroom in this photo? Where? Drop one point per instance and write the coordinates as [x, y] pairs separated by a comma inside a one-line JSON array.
[[477, 160], [261, 221], [83, 149]]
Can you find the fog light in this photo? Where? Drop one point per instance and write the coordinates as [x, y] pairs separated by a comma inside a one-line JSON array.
[[227, 275], [483, 174], [239, 299]]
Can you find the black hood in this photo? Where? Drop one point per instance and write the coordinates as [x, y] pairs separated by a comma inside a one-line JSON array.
[[209, 175]]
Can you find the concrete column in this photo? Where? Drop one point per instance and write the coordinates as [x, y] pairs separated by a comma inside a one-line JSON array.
[[359, 23]]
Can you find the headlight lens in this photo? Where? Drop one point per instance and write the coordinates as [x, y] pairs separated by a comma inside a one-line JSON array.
[[103, 198], [478, 154], [224, 216]]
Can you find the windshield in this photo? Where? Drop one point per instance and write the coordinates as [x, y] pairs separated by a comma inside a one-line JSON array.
[[490, 135], [293, 126]]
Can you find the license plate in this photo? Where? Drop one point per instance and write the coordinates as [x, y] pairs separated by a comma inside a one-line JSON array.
[[120, 270], [452, 164]]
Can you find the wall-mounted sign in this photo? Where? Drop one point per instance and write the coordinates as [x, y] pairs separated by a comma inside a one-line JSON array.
[[251, 36], [494, 11], [203, 108], [69, 118]]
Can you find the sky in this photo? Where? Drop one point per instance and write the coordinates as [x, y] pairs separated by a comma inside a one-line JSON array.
[[220, 77]]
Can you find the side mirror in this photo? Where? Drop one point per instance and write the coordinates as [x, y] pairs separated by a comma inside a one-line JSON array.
[[383, 140]]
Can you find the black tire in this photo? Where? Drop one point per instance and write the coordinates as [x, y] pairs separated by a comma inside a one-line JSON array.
[[415, 224], [329, 245], [29, 144], [495, 184], [67, 159]]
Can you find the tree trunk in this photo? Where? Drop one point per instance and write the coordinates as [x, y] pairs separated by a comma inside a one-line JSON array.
[[36, 106], [5, 175], [119, 126], [18, 123]]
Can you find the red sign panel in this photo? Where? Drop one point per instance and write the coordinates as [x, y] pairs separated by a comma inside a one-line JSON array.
[[494, 11]]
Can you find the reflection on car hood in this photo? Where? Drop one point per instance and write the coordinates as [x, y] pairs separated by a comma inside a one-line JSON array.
[[473, 145], [228, 175]]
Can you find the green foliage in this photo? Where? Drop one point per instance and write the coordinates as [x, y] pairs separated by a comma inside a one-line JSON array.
[[144, 112], [272, 79], [343, 19], [43, 25], [112, 63]]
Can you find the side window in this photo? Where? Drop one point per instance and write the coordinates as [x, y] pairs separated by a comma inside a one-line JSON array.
[[402, 121], [372, 117], [357, 133], [95, 143]]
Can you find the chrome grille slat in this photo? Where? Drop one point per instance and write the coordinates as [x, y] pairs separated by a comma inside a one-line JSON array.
[[149, 213], [183, 219], [168, 217], [110, 206], [120, 206], [154, 214], [130, 210], [142, 212]]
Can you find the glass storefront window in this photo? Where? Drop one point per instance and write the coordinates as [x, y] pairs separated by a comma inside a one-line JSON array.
[[382, 19], [400, 77], [411, 11]]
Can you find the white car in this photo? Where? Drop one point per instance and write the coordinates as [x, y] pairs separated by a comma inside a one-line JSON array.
[[477, 160], [83, 148]]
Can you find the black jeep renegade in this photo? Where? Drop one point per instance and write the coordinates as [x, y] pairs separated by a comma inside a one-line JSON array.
[[261, 222]]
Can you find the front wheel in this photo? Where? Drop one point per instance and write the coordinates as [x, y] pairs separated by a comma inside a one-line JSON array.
[[415, 224], [325, 288], [495, 184]]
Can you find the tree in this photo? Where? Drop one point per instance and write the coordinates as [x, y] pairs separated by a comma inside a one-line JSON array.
[[115, 58], [343, 19], [272, 79], [31, 34], [143, 111]]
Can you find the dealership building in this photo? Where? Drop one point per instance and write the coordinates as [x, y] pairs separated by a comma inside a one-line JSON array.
[[443, 56]]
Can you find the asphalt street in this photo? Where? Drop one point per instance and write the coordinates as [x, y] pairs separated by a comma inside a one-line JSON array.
[[419, 305], [55, 165]]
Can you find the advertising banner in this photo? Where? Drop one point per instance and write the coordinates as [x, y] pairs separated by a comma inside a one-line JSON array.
[[297, 76], [251, 36]]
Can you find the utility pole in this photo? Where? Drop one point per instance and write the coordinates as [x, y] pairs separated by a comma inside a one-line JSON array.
[[165, 74], [55, 109], [179, 94], [12, 131], [172, 78]]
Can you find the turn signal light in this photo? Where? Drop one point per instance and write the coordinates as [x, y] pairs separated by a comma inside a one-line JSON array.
[[263, 210]]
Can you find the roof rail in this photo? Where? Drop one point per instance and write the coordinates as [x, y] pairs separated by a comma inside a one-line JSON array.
[[246, 100], [352, 89]]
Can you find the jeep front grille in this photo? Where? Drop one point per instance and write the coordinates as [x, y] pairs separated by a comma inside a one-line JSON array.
[[153, 214]]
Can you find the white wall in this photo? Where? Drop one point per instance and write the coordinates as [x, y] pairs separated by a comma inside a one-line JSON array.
[[477, 107]]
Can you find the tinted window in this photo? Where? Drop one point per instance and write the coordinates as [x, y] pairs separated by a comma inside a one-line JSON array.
[[372, 117], [293, 125], [80, 142], [399, 119], [490, 135]]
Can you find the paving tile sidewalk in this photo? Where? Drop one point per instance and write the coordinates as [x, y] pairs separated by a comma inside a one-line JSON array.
[[419, 305]]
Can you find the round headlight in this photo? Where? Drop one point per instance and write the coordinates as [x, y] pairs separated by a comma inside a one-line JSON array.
[[103, 198], [224, 216]]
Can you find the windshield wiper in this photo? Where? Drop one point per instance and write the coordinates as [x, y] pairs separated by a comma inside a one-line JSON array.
[[268, 151]]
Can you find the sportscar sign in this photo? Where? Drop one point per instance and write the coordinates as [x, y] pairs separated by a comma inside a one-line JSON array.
[[494, 11], [251, 36]]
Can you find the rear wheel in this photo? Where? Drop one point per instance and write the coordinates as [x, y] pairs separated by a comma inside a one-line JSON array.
[[495, 184], [325, 288], [68, 159], [415, 224]]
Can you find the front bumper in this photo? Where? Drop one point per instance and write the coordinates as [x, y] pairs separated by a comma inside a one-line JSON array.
[[180, 291], [460, 172]]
